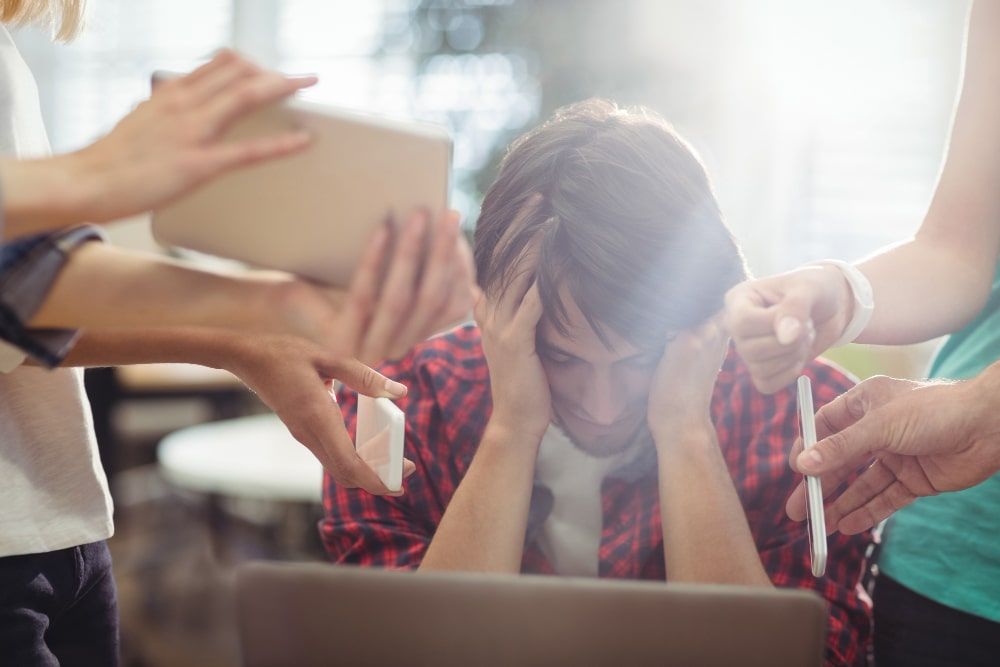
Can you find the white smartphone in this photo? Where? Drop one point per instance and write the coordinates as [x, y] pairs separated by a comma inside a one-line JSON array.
[[815, 517], [380, 436]]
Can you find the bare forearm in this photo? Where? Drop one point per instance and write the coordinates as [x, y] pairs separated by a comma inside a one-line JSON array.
[[42, 195], [706, 538], [484, 526], [106, 287], [923, 289], [191, 345], [939, 280]]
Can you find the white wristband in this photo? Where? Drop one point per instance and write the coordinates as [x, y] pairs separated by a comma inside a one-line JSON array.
[[864, 300]]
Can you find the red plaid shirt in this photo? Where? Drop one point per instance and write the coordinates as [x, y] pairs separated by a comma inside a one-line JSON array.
[[447, 408]]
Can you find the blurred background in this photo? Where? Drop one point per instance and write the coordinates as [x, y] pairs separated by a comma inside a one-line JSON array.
[[821, 123]]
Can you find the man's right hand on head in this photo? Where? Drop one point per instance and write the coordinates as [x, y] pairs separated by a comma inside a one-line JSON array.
[[781, 323], [508, 320]]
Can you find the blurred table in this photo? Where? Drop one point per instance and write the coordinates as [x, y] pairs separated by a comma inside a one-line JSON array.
[[249, 457], [248, 469]]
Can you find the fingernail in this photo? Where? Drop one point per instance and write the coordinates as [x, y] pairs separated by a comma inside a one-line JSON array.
[[396, 389], [788, 330], [810, 460]]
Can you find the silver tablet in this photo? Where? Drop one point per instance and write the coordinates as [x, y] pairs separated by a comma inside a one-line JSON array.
[[313, 213]]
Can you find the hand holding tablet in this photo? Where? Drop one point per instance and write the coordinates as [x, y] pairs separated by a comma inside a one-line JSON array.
[[314, 213]]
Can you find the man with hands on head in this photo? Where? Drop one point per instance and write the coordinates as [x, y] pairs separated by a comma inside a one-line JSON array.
[[583, 426], [931, 450]]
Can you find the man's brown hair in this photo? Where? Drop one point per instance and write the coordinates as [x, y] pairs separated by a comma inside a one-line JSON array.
[[627, 223]]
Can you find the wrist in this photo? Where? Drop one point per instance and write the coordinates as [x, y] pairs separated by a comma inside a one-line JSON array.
[[843, 296], [209, 347], [294, 307], [686, 435], [231, 352], [513, 433], [855, 307]]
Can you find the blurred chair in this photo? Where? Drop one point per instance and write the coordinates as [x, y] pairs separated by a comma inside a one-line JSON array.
[[232, 490], [113, 392]]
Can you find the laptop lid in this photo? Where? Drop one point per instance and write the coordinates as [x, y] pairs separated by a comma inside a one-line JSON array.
[[319, 614]]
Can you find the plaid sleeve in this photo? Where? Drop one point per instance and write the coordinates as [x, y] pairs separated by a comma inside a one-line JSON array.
[[782, 543], [362, 529]]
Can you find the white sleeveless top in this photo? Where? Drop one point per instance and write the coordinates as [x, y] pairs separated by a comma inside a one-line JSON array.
[[53, 492]]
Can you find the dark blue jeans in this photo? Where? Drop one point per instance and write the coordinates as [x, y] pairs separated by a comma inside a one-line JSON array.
[[914, 631], [59, 608]]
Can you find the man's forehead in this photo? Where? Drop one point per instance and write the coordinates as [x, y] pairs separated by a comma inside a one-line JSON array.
[[577, 335], [580, 339]]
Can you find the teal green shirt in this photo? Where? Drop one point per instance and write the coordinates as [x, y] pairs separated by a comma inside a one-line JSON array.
[[947, 547]]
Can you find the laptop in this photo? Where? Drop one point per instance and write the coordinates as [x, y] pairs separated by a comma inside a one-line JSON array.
[[313, 213], [319, 614]]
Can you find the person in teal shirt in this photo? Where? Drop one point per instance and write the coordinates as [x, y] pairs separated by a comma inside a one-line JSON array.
[[930, 450], [943, 552]]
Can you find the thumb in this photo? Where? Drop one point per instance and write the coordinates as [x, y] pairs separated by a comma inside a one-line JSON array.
[[793, 316], [844, 448], [366, 380]]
